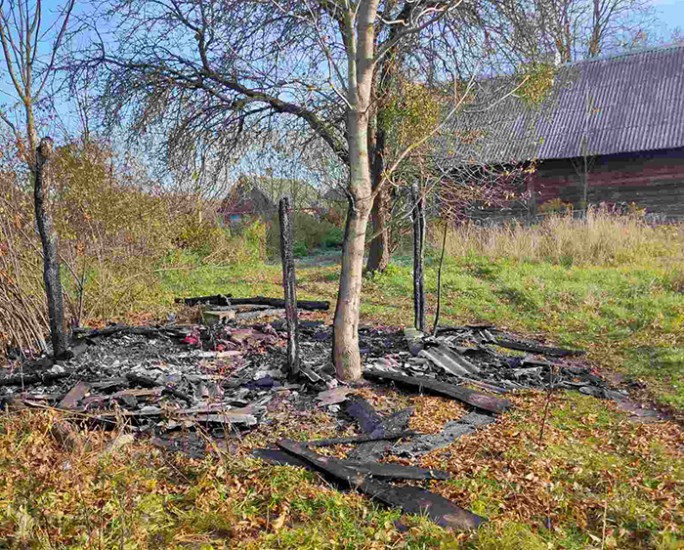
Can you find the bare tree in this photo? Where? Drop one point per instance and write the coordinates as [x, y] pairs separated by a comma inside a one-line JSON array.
[[569, 30], [228, 70], [509, 32], [443, 54], [584, 164], [621, 21], [30, 44]]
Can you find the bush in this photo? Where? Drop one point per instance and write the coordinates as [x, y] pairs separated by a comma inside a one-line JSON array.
[[300, 249], [116, 235], [333, 238], [310, 233]]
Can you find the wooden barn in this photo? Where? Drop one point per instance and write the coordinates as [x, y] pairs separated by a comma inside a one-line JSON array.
[[259, 195], [609, 130]]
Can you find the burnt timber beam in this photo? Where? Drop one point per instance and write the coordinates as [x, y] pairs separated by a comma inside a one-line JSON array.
[[465, 395], [221, 300], [374, 469], [411, 500]]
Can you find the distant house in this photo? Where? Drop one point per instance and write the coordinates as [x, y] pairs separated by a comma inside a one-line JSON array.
[[259, 196], [335, 196], [610, 130]]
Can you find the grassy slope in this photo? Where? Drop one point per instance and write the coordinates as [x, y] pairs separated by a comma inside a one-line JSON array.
[[594, 479]]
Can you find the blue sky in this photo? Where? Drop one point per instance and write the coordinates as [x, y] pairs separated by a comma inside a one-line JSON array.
[[669, 18], [670, 14]]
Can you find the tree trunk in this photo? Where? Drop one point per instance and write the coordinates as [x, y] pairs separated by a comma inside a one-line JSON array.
[[289, 285], [379, 252], [48, 238], [346, 354], [360, 50]]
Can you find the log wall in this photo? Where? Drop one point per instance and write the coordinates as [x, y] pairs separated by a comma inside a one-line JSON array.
[[654, 181]]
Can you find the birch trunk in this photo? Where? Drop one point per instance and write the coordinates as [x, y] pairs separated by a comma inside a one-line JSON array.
[[346, 353], [360, 46]]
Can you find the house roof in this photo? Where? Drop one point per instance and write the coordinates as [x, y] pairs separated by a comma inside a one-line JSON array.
[[260, 194], [632, 102]]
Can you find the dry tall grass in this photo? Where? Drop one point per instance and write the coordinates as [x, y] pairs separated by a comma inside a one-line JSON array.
[[602, 238]]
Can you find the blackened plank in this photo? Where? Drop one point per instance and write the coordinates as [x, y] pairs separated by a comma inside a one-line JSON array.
[[393, 471], [452, 430], [74, 396], [465, 395], [281, 458], [411, 500], [375, 449], [374, 469], [359, 439], [362, 411]]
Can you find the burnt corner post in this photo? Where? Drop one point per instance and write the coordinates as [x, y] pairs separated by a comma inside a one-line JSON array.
[[48, 238], [419, 228], [289, 284]]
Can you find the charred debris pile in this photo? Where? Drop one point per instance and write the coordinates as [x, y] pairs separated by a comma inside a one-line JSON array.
[[219, 377]]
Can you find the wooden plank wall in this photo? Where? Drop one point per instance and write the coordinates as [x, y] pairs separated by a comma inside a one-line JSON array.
[[654, 181]]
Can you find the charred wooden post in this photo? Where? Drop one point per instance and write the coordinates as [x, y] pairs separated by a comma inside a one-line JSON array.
[[48, 239], [289, 284], [439, 279], [418, 256]]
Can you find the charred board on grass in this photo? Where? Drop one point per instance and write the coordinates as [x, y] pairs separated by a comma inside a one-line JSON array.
[[505, 341], [364, 414], [360, 439], [374, 469], [452, 430], [465, 395], [411, 500], [225, 300], [375, 449]]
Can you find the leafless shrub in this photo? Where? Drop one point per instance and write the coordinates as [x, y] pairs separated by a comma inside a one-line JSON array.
[[23, 310]]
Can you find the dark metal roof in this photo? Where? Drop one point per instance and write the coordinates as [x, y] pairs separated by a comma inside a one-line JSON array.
[[627, 103]]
